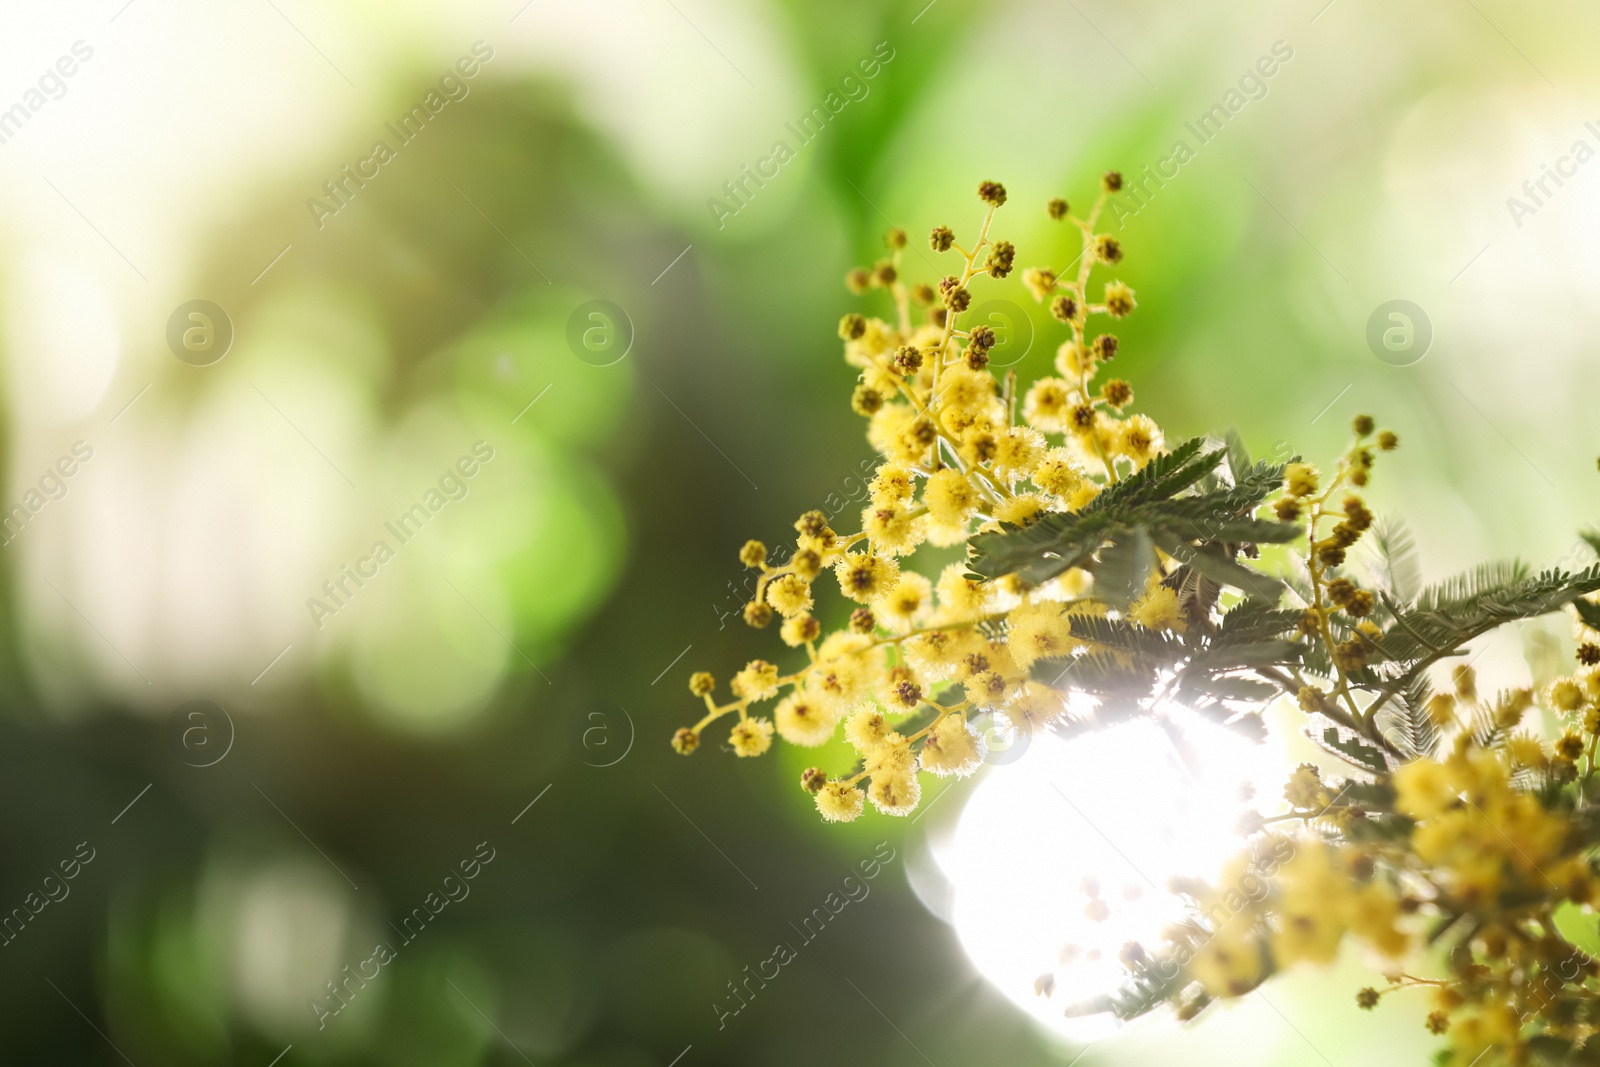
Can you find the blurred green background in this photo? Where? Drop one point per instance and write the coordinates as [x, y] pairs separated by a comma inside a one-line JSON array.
[[532, 642]]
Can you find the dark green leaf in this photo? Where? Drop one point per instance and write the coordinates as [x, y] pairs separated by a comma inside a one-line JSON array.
[[1161, 478], [1238, 455], [1232, 687], [1555, 1051], [1357, 751], [1384, 830], [1051, 546], [1123, 569], [1253, 620], [1234, 530], [1197, 596], [1143, 505], [1465, 589], [1406, 721], [1221, 657], [1211, 561], [1259, 482], [1448, 615], [1152, 646]]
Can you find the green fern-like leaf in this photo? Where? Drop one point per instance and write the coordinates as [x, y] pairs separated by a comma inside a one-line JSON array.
[[1219, 565], [1099, 672], [1406, 722], [1592, 539], [1123, 568], [1353, 749], [1238, 455], [1111, 536], [1155, 647], [1221, 516], [1396, 569], [1160, 479], [1461, 591], [1049, 547], [1253, 620], [1232, 687], [1220, 658], [1448, 615]]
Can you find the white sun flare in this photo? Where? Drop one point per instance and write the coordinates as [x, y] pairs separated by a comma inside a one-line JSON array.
[[1110, 816]]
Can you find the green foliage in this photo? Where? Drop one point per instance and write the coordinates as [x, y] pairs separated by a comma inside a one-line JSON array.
[[1115, 535], [1197, 506], [1238, 454], [1124, 566], [1049, 547], [1353, 750], [1162, 478], [1398, 570], [1445, 617], [1407, 723], [1099, 672], [1202, 667], [1241, 656]]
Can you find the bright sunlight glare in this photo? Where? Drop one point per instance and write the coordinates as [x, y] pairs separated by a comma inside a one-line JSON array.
[[1111, 817]]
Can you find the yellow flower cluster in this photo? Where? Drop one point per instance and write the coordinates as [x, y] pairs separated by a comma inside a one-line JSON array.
[[1484, 848], [1318, 895], [1460, 830], [921, 655]]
